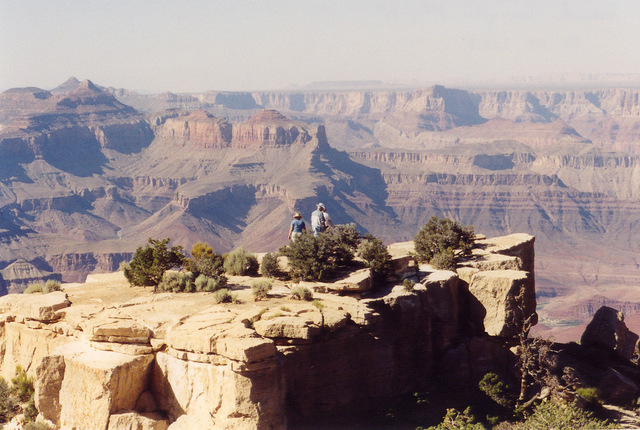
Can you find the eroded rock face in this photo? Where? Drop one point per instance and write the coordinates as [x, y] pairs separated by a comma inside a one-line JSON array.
[[109, 356]]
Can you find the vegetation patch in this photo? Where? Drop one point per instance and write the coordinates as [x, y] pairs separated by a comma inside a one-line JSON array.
[[439, 238], [240, 262]]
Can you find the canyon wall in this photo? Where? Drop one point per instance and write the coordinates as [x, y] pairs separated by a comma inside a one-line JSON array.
[[106, 355]]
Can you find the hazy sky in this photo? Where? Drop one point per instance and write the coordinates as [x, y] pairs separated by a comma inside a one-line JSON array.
[[197, 45]]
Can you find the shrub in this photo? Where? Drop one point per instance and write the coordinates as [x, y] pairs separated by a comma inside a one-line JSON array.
[[408, 284], [455, 419], [590, 395], [9, 402], [204, 261], [556, 414], [302, 293], [318, 304], [260, 289], [22, 384], [177, 282], [34, 287], [30, 411], [439, 234], [51, 285], [149, 263], [373, 251], [269, 266], [317, 258], [497, 390], [240, 262], [224, 296], [444, 260]]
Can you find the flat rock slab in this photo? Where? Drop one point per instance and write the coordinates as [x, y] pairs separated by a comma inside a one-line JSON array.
[[287, 327], [37, 306], [358, 281]]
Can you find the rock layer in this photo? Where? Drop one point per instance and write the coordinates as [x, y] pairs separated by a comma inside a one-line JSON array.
[[108, 356]]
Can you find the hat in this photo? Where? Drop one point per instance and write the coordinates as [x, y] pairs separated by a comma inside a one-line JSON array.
[[297, 215], [320, 205]]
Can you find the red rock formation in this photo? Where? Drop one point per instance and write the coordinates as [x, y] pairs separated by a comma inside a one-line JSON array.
[[198, 129]]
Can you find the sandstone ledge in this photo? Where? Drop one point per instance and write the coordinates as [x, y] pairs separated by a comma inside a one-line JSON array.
[[233, 365]]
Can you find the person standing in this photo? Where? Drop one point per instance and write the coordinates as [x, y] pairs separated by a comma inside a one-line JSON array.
[[327, 218], [297, 226], [319, 220]]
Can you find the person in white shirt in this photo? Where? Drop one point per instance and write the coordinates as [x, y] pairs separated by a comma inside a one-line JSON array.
[[320, 220]]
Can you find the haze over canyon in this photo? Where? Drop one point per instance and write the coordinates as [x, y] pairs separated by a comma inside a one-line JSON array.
[[88, 173]]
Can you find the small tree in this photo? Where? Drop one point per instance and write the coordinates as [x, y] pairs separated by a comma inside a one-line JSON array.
[[438, 235], [260, 289], [240, 262], [444, 260], [373, 251], [317, 258], [269, 266], [149, 263], [205, 261]]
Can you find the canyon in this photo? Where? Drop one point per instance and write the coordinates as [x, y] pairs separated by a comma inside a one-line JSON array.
[[88, 173]]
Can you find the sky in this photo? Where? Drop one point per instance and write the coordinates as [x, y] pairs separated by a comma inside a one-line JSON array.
[[242, 45]]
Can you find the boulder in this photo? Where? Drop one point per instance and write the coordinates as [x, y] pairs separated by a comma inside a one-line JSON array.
[[286, 327], [132, 420], [509, 298], [97, 384], [608, 330], [357, 281]]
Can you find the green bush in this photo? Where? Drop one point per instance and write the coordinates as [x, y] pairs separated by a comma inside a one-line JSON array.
[[224, 296], [9, 402], [39, 287], [408, 284], [444, 260], [149, 263], [30, 411], [497, 390], [176, 282], [22, 384], [34, 287], [302, 293], [51, 285], [317, 258], [240, 262], [269, 266], [440, 234], [557, 414], [590, 394], [204, 261], [373, 251], [260, 289], [454, 420]]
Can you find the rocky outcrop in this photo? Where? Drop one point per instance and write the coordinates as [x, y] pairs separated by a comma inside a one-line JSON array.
[[607, 330], [202, 130], [198, 129], [108, 356], [20, 273]]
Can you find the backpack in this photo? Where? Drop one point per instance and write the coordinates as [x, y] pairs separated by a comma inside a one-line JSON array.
[[323, 224]]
